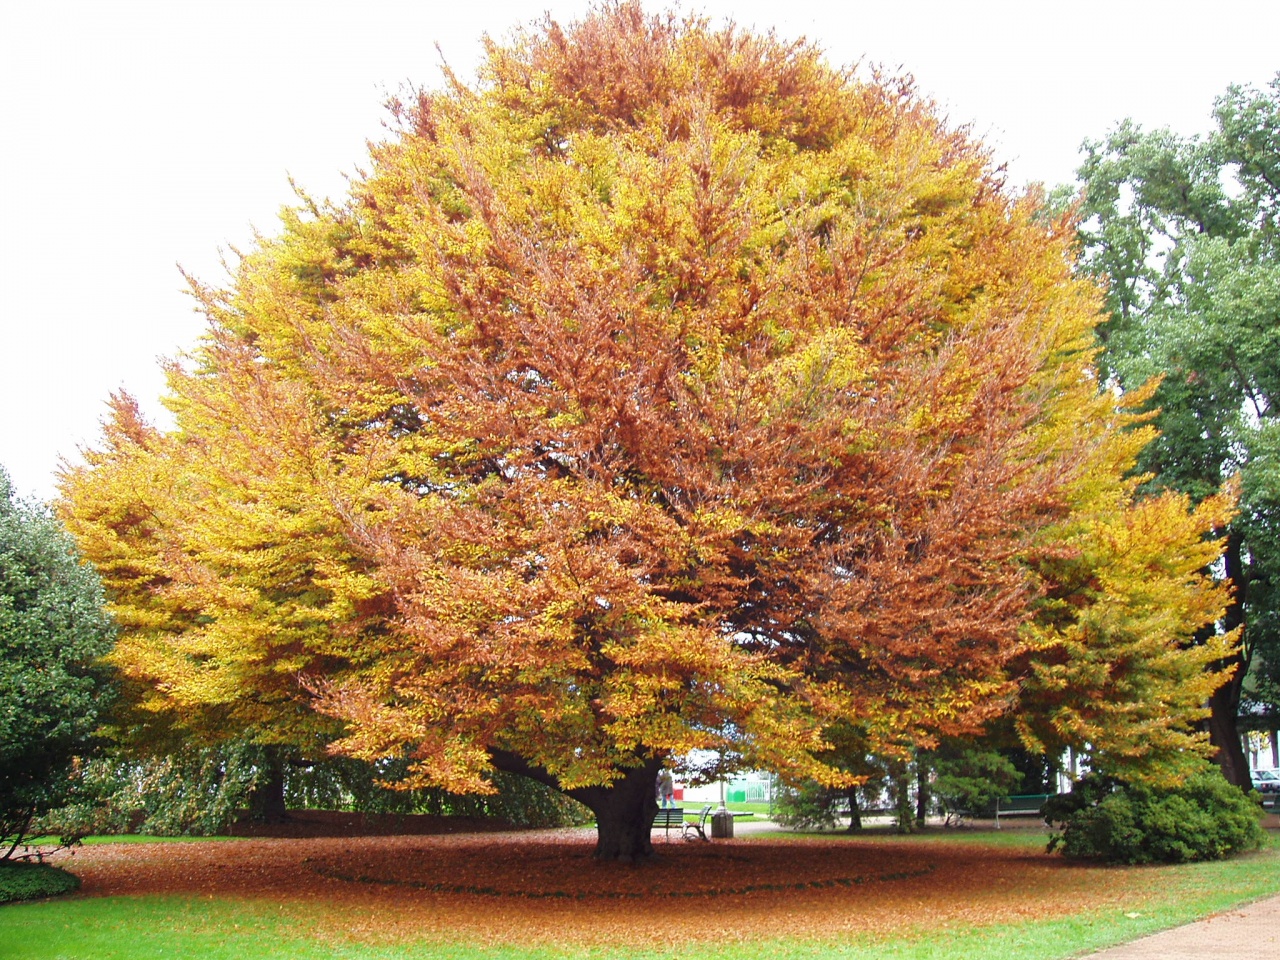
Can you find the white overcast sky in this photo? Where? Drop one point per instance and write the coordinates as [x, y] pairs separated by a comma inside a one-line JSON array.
[[142, 135]]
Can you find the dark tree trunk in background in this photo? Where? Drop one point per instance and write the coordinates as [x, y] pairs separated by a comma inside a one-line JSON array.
[[266, 799], [900, 775], [1224, 730], [922, 788], [624, 810], [855, 812], [1224, 704]]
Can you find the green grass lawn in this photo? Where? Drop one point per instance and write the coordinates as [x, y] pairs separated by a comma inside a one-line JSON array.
[[759, 809], [127, 838], [141, 928]]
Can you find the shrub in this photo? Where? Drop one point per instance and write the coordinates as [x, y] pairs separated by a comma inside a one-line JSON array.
[[34, 881], [1203, 818]]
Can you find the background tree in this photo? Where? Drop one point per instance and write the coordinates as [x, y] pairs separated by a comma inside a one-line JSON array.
[[969, 778], [1122, 655], [52, 688], [1185, 230], [670, 389]]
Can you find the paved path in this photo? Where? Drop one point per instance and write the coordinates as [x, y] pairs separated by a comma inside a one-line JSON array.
[[1251, 932]]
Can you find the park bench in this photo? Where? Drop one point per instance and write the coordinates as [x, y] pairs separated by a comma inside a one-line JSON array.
[[668, 817], [698, 828], [1023, 805]]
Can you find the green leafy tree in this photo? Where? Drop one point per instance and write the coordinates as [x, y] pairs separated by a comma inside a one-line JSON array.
[[52, 690], [1185, 231], [971, 777], [811, 805]]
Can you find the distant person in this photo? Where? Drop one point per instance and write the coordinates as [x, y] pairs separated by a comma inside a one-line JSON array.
[[666, 789]]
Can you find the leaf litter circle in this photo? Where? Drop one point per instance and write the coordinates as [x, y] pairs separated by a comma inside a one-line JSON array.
[[543, 887]]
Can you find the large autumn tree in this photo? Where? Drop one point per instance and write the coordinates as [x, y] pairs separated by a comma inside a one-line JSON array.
[[667, 389]]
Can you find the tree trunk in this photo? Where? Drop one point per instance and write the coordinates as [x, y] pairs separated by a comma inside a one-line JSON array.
[[624, 813], [900, 777], [266, 799], [1224, 730], [922, 788], [855, 812], [624, 810], [1224, 703]]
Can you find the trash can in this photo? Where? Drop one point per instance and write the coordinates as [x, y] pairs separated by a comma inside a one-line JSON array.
[[722, 825]]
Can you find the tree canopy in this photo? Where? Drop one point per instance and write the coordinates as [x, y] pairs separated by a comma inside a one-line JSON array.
[[667, 389], [1185, 231], [52, 690]]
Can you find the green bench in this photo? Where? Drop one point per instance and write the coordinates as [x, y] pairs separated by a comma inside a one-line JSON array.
[[668, 817], [1021, 806]]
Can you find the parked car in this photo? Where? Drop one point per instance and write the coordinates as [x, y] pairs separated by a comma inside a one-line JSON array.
[[1266, 781]]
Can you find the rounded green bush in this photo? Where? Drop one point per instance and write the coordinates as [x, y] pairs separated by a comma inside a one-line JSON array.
[[34, 881], [1203, 818]]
